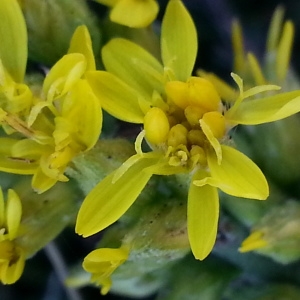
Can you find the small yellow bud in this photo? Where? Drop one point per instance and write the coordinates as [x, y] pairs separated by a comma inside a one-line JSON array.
[[156, 126], [196, 137], [216, 123], [194, 114], [203, 94], [198, 153], [177, 135], [177, 92]]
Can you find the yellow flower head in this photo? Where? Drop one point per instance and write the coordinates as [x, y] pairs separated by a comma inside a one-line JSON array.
[[101, 263], [56, 124], [132, 13], [12, 257], [186, 123]]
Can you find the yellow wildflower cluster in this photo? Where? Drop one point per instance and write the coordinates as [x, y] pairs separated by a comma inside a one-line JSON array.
[[186, 123], [45, 129], [12, 257]]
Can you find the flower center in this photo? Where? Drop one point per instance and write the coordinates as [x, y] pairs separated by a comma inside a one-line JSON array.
[[193, 119]]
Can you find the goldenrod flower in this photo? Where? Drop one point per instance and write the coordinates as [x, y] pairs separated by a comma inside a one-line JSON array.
[[185, 123], [57, 124], [132, 13], [12, 257], [101, 263]]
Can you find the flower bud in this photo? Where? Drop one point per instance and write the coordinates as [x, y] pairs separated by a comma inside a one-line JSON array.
[[277, 234], [156, 126]]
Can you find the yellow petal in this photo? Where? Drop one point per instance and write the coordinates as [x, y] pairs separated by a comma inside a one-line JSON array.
[[212, 140], [238, 48], [275, 30], [256, 70], [19, 100], [41, 182], [284, 51], [237, 175], [254, 241], [81, 43], [13, 36], [203, 215], [115, 96], [108, 201], [178, 40], [134, 65], [105, 286], [2, 209], [12, 270], [134, 13], [11, 164], [17, 165], [13, 213], [226, 92], [36, 111], [63, 75], [84, 112], [28, 149], [266, 109], [99, 257], [259, 89]]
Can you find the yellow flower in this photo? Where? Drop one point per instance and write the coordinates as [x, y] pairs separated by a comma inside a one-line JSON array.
[[101, 263], [185, 123], [132, 13], [57, 124], [12, 257]]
